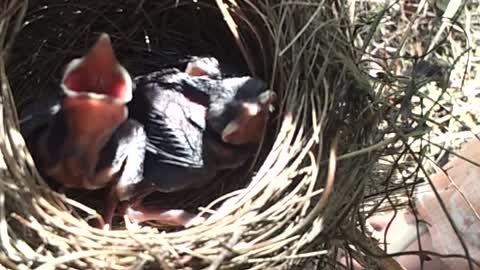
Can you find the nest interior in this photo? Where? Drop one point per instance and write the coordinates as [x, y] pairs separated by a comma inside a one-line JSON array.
[[297, 202], [168, 35]]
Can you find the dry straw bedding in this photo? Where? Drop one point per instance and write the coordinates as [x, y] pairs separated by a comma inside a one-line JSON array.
[[314, 181]]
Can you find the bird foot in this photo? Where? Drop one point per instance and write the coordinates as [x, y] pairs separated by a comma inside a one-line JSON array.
[[203, 66], [173, 217]]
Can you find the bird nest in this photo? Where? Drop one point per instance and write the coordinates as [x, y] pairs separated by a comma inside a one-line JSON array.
[[302, 197]]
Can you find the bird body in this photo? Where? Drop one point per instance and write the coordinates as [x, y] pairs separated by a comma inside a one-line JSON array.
[[185, 115], [178, 130], [82, 137]]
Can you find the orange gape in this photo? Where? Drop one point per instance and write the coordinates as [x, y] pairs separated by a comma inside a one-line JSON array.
[[92, 127], [87, 79], [98, 72]]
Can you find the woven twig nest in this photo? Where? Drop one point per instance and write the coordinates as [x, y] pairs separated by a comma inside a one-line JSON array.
[[297, 201]]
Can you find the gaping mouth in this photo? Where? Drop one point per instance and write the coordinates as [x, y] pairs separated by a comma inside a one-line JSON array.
[[98, 75]]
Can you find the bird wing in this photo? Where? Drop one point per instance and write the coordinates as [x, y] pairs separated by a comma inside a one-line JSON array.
[[173, 123], [38, 114]]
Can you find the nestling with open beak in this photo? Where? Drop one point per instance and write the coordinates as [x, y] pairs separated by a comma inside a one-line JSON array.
[[197, 125], [83, 138]]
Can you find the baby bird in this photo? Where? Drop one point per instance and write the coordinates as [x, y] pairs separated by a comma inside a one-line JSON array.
[[82, 137], [197, 125]]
